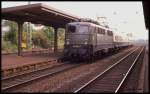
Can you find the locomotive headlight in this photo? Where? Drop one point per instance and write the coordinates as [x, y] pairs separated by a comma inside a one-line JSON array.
[[86, 41], [67, 41]]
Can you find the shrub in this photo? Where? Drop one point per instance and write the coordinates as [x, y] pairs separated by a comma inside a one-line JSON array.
[[40, 39]]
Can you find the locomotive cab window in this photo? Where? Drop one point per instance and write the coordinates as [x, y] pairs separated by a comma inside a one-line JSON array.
[[110, 33], [71, 29]]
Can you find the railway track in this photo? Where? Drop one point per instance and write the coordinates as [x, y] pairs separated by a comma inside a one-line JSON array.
[[111, 79], [18, 70], [31, 71], [134, 83], [15, 82]]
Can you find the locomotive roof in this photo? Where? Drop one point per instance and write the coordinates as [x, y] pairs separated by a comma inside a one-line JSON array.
[[88, 23]]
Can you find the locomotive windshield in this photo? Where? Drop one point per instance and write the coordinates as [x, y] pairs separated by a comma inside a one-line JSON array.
[[77, 34], [83, 29], [71, 28]]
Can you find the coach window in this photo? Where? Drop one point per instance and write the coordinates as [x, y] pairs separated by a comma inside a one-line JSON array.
[[100, 31], [103, 31], [97, 30], [109, 33]]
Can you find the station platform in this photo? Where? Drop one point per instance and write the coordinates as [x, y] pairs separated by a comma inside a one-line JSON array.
[[13, 64], [13, 60], [143, 84]]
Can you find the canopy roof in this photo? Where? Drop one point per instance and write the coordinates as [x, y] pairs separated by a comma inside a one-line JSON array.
[[146, 12], [38, 14]]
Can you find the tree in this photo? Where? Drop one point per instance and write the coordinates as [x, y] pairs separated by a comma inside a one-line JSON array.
[[49, 32], [9, 42], [40, 39], [61, 37], [11, 35]]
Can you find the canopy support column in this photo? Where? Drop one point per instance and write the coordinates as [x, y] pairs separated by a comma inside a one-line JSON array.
[[20, 29], [55, 39]]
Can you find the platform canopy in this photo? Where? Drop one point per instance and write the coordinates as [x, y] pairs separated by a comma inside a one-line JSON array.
[[146, 12], [38, 14]]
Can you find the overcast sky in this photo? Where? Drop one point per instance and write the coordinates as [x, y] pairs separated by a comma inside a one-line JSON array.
[[126, 16]]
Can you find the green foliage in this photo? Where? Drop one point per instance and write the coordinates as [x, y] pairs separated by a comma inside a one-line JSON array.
[[11, 35], [40, 39], [61, 38], [43, 38], [8, 47], [49, 32], [26, 27], [11, 38], [24, 36]]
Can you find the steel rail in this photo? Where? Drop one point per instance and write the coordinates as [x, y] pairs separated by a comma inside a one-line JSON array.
[[128, 71], [86, 84], [39, 77], [9, 77]]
